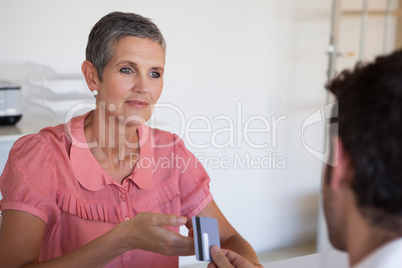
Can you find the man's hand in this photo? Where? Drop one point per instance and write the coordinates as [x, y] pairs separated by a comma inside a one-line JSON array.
[[224, 258]]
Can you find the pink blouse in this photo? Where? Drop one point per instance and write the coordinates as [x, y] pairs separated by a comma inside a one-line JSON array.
[[54, 176]]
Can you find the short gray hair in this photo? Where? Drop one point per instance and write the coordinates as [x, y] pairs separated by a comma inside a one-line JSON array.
[[110, 29]]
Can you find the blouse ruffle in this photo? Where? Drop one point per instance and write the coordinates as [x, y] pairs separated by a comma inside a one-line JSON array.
[[108, 212]]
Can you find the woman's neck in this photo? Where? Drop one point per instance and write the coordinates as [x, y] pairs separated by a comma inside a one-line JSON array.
[[116, 141]]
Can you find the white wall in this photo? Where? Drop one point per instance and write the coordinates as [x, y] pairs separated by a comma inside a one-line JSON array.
[[269, 55]]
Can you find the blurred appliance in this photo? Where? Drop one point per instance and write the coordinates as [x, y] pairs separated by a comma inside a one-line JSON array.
[[10, 103]]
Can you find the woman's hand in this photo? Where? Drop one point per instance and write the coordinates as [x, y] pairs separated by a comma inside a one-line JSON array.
[[21, 236], [147, 231], [224, 258]]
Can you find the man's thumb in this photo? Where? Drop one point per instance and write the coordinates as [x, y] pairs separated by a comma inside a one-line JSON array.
[[219, 258]]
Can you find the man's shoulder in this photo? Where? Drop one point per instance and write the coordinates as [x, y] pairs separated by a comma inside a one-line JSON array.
[[387, 256]]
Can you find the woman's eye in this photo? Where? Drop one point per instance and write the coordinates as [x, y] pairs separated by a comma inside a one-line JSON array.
[[126, 70], [155, 75]]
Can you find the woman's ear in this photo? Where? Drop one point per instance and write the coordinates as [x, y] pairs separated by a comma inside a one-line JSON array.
[[91, 75]]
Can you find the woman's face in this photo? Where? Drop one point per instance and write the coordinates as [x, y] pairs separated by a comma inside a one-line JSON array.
[[132, 80]]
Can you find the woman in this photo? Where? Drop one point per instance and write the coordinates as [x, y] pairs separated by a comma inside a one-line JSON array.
[[80, 195]]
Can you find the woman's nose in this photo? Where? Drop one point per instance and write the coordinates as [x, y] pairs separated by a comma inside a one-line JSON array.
[[141, 84]]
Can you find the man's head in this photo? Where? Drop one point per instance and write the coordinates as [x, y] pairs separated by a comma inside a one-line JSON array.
[[112, 28], [369, 142]]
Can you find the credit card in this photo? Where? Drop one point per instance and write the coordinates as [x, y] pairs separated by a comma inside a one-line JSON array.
[[206, 235]]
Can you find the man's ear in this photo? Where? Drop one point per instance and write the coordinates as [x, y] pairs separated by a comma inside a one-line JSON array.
[[342, 173], [91, 75]]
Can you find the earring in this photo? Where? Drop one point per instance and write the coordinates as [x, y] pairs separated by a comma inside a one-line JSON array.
[[95, 92]]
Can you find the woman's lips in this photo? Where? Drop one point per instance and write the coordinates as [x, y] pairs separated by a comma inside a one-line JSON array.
[[138, 104]]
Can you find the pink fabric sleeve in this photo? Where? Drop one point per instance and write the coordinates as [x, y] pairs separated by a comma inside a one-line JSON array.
[[27, 183], [193, 181]]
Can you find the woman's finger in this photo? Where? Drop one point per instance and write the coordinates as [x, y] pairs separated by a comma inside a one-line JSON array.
[[149, 232], [180, 245], [191, 232], [163, 219]]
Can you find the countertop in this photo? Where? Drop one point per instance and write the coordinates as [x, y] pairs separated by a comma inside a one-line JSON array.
[[29, 123]]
